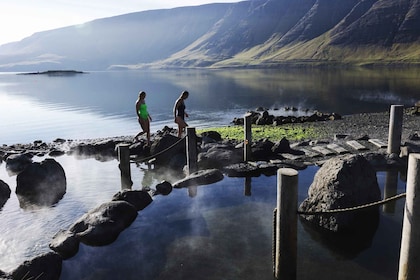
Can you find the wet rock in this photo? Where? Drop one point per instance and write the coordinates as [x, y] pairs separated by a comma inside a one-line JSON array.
[[4, 193], [102, 225], [163, 188], [174, 155], [261, 150], [41, 183], [65, 244], [342, 182], [219, 155], [16, 163], [199, 178], [47, 266], [139, 199]]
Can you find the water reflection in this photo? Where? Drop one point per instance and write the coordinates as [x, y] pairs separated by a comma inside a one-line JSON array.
[[390, 190]]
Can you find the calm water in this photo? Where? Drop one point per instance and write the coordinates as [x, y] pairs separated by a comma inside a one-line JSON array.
[[101, 104], [211, 232]]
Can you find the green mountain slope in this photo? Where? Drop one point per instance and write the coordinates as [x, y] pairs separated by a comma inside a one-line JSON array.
[[258, 33]]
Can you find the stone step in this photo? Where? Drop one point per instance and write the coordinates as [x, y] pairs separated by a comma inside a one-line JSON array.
[[337, 148], [356, 145], [323, 150], [309, 153], [379, 143]]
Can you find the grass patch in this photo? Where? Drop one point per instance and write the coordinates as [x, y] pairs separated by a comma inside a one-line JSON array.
[[273, 133]]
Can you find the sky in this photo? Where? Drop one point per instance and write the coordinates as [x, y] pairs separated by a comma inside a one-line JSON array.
[[22, 18]]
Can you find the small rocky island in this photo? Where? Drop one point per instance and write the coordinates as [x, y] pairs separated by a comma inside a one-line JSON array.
[[55, 73]]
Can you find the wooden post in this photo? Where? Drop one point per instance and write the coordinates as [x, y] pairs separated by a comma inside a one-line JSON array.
[[191, 150], [285, 266], [395, 129], [247, 136], [409, 268], [124, 165]]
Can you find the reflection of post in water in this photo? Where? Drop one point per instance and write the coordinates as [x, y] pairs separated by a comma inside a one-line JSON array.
[[390, 190], [247, 191], [124, 165], [147, 178], [192, 191]]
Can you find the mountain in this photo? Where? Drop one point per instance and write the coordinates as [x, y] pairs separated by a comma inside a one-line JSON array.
[[257, 33]]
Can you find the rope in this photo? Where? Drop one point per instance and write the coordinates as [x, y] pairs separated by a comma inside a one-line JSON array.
[[398, 196], [161, 152]]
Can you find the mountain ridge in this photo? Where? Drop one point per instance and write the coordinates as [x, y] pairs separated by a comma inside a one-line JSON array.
[[258, 33]]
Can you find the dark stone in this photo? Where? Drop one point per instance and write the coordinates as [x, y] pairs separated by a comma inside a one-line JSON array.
[[41, 183], [65, 244], [242, 169], [342, 182], [170, 151], [102, 225], [163, 188], [199, 178], [219, 155], [213, 135], [47, 266], [282, 146], [18, 162], [4, 193], [139, 199], [261, 150]]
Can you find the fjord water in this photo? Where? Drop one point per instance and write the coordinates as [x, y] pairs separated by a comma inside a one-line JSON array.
[[220, 231], [101, 104]]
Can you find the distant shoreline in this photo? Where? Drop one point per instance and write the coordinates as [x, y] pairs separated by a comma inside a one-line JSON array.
[[55, 73]]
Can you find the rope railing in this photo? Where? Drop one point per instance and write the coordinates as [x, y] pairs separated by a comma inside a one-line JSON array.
[[159, 153], [356, 208]]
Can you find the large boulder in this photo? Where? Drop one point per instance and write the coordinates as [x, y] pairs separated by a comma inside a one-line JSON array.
[[170, 151], [342, 182], [65, 243], [261, 150], [219, 155], [46, 266], [41, 183], [4, 193], [102, 225], [139, 199]]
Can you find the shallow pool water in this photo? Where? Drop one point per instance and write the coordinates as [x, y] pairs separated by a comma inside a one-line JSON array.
[[217, 231]]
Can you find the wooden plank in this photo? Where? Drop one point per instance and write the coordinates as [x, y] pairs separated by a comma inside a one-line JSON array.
[[378, 143], [337, 148], [356, 145], [323, 150]]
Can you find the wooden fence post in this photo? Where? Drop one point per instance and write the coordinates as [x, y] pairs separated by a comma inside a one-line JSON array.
[[285, 266], [409, 265], [124, 165], [395, 129], [248, 136], [191, 150]]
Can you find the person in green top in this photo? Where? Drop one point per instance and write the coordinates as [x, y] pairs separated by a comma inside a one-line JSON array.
[[143, 116]]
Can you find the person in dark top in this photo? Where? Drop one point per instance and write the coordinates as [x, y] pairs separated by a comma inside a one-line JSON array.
[[180, 114]]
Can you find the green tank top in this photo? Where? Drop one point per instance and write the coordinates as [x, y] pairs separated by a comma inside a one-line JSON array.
[[143, 111]]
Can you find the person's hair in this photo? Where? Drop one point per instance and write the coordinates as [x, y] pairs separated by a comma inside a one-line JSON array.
[[142, 94], [184, 93]]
